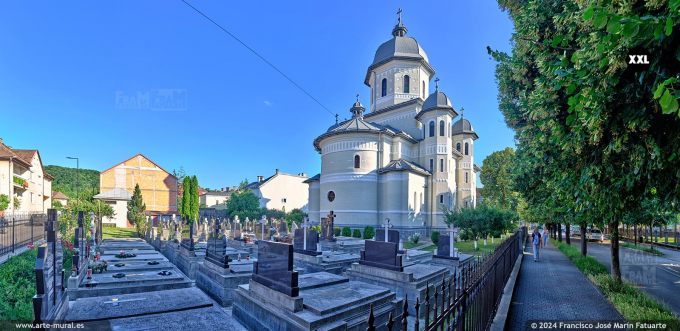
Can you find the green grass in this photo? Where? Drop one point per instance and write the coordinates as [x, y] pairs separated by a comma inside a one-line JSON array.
[[630, 301], [110, 232], [641, 247], [468, 246], [17, 287]]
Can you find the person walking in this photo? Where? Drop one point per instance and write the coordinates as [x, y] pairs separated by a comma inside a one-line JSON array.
[[536, 242], [546, 235]]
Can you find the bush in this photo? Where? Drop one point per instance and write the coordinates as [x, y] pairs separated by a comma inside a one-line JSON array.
[[435, 237], [336, 231], [414, 238], [17, 284], [356, 233], [346, 232], [369, 232]]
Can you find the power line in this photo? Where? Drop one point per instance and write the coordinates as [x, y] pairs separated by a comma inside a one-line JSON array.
[[259, 56]]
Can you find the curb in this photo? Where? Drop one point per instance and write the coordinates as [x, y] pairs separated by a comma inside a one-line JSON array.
[[498, 323]]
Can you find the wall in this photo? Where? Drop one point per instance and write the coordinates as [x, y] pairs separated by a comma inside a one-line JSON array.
[[285, 186]]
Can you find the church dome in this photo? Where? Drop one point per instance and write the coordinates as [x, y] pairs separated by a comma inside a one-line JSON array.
[[463, 126], [399, 47], [437, 100]]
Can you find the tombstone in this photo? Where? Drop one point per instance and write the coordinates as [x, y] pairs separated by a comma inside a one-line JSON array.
[[79, 260], [236, 232], [327, 225], [444, 248], [306, 243], [263, 223], [274, 268], [392, 236], [283, 228], [203, 230], [48, 303], [382, 255]]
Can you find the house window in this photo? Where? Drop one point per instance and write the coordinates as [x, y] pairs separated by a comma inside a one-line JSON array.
[[431, 128], [283, 200], [423, 89], [441, 198], [441, 165], [458, 147], [357, 162], [407, 84], [442, 128], [383, 88], [431, 165], [466, 177], [466, 149]]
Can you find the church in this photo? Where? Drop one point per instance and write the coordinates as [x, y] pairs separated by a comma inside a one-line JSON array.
[[408, 158]]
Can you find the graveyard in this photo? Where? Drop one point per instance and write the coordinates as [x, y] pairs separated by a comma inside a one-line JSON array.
[[232, 274]]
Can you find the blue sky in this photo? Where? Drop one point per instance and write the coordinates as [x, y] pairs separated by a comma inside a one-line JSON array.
[[73, 76]]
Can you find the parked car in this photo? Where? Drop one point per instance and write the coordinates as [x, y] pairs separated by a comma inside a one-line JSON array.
[[595, 235]]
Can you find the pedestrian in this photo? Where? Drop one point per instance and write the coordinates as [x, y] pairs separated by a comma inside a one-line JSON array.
[[536, 242], [546, 235]]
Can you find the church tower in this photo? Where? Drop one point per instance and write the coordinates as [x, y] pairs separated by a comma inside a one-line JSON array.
[[400, 70], [464, 137]]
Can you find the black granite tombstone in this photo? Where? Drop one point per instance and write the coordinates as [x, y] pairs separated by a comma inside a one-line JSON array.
[[216, 252], [392, 236], [274, 267], [444, 248], [312, 241], [382, 255]]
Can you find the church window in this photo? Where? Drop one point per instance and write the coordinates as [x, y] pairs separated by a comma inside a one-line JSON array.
[[383, 87], [407, 84], [458, 147], [431, 165], [331, 196], [441, 198], [431, 128], [466, 177], [423, 89], [466, 149], [442, 129], [441, 165], [357, 162]]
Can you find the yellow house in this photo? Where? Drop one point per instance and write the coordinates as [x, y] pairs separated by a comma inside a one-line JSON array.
[[159, 187]]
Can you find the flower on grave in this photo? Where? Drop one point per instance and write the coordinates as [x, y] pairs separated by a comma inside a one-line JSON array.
[[30, 246]]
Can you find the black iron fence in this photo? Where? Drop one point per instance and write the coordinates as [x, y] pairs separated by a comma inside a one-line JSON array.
[[666, 235], [468, 299], [20, 229]]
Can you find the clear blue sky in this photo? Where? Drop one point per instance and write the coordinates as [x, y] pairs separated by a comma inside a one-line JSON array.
[[67, 70]]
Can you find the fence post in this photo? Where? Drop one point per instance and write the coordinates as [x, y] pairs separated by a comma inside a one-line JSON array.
[[371, 320], [13, 232], [427, 305], [404, 314], [417, 324]]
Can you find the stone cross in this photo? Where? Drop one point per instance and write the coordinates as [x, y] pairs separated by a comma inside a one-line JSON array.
[[399, 15], [451, 248], [387, 225], [263, 221], [92, 233], [330, 221], [305, 226]]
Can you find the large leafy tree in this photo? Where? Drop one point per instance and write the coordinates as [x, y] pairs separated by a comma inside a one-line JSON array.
[[497, 177], [244, 203], [594, 132]]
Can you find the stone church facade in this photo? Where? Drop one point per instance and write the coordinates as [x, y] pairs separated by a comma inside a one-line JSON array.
[[408, 158]]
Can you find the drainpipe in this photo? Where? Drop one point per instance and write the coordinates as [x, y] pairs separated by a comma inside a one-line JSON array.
[[380, 152]]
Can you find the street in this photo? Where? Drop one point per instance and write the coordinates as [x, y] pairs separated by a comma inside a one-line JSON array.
[[658, 276]]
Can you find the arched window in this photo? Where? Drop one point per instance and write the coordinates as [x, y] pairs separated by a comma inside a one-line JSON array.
[[466, 149], [442, 129], [441, 165], [458, 147], [357, 162], [407, 84], [431, 128], [431, 165], [466, 177], [383, 88], [424, 90]]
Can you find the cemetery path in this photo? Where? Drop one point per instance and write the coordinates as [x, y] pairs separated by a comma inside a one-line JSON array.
[[553, 289], [658, 276]]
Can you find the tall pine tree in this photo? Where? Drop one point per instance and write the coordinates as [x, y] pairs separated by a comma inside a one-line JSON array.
[[136, 209]]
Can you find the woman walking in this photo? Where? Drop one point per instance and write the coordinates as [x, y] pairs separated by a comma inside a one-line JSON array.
[[546, 235], [536, 242]]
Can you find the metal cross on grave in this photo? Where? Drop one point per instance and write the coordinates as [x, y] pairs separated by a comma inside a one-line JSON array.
[[452, 250], [263, 221], [387, 225], [329, 225], [305, 226]]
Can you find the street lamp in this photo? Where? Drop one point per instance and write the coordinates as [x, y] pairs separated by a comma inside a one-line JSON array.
[[77, 175]]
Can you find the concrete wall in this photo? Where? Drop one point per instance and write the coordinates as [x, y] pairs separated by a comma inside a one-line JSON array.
[[120, 214]]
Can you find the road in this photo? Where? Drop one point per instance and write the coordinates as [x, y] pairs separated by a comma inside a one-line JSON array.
[[658, 276]]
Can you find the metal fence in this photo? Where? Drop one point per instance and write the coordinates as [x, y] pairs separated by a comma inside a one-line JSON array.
[[20, 229], [468, 299], [666, 235]]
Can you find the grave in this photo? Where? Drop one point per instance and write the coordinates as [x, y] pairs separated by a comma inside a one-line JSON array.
[[276, 298], [49, 303], [306, 241], [447, 255], [382, 265], [219, 274], [327, 225]]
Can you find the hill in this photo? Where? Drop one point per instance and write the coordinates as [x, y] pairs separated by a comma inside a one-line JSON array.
[[65, 181]]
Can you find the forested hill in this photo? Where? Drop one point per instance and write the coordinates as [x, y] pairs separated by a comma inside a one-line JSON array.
[[65, 181]]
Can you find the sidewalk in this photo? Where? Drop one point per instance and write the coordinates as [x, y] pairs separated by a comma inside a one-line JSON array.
[[554, 289]]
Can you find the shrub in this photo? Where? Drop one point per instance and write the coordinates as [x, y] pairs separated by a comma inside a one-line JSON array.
[[414, 238], [356, 233], [435, 237], [369, 232], [4, 202], [17, 281], [346, 232], [336, 231]]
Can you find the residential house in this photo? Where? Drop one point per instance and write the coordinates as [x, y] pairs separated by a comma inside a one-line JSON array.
[[24, 180], [281, 191]]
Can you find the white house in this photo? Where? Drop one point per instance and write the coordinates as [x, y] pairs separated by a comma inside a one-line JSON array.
[[281, 191]]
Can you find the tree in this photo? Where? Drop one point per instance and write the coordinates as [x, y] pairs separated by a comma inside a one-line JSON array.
[[594, 132], [193, 200], [136, 210], [244, 203], [497, 177], [4, 202], [185, 207], [242, 185], [295, 215]]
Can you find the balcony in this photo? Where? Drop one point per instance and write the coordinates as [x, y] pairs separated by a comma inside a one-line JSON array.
[[19, 182]]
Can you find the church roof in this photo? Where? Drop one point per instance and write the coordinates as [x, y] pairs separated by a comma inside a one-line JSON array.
[[314, 178], [463, 126], [437, 101], [403, 165]]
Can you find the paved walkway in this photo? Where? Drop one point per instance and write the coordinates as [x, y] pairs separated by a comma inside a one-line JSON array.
[[554, 289]]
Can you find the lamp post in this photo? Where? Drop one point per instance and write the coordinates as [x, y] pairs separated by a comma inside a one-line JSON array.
[[77, 176]]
